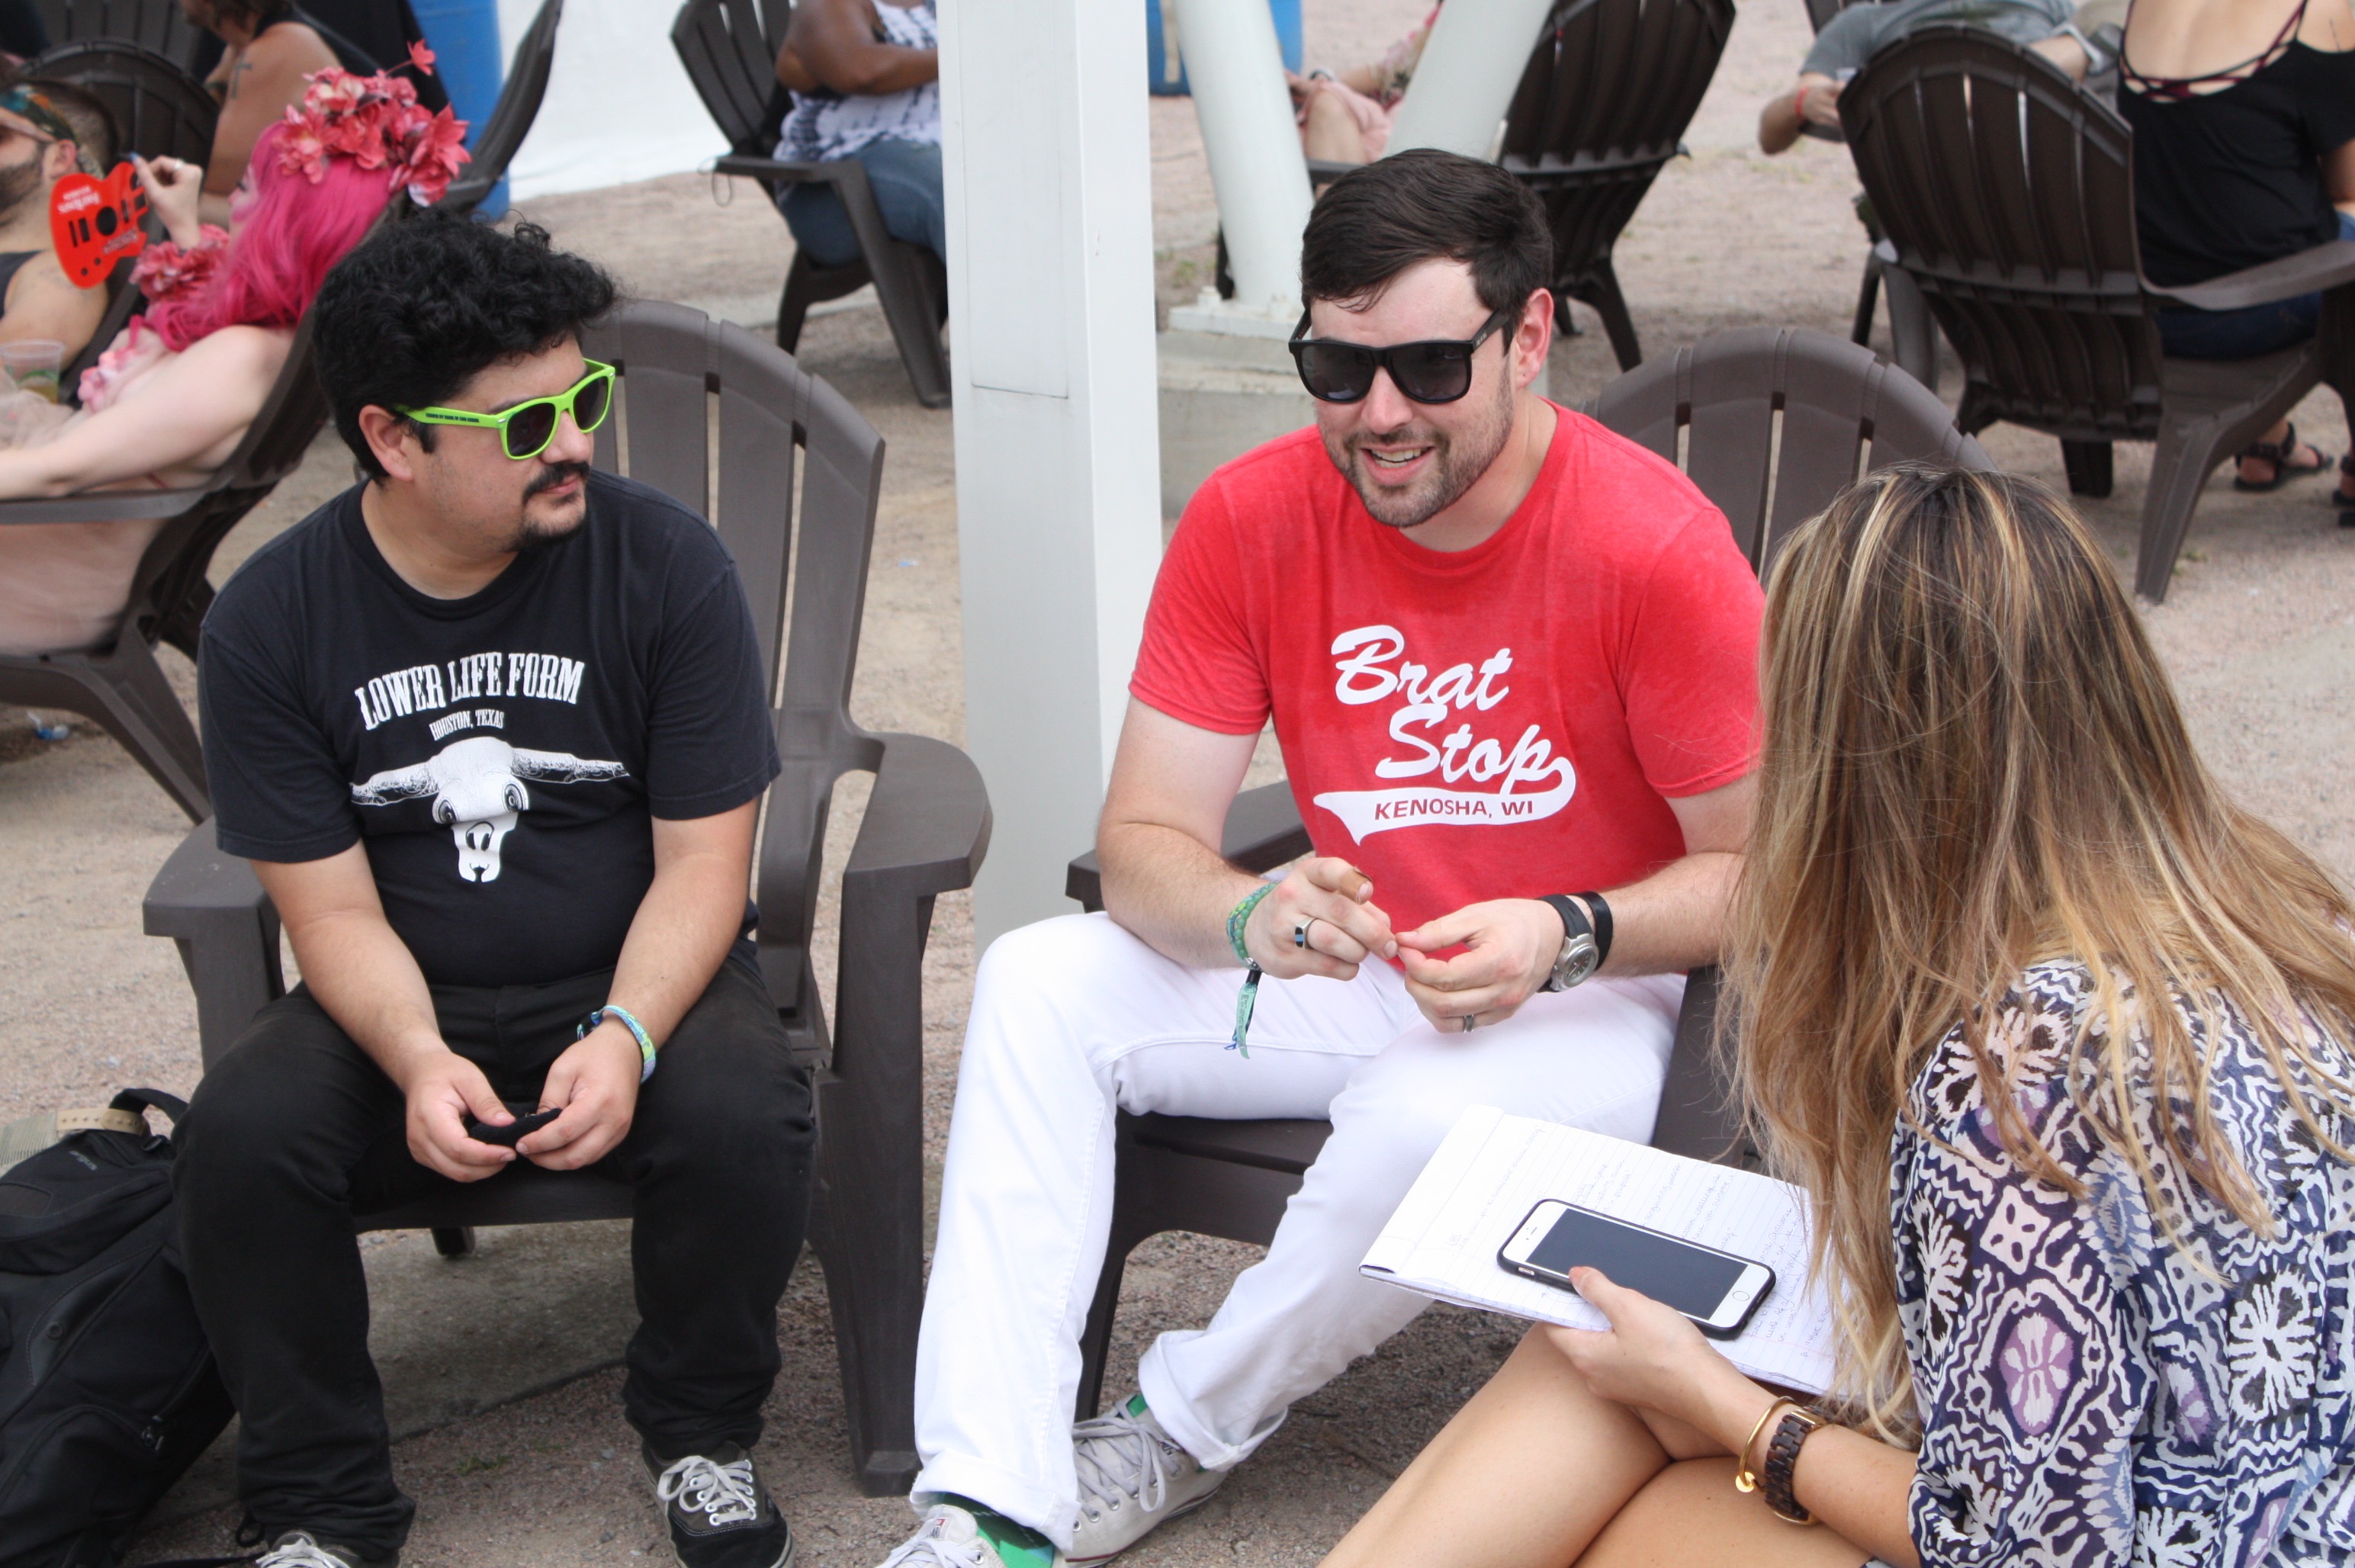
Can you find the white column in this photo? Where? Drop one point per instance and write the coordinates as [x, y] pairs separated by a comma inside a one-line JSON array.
[[1234, 68], [1048, 163], [1464, 83]]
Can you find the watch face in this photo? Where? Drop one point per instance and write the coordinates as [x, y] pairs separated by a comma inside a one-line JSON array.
[[1580, 958]]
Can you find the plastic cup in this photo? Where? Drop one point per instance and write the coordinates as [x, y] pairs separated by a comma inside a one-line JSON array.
[[34, 364]]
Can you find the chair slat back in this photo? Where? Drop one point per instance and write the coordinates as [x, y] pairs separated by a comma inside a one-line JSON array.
[[158, 25], [159, 110], [1771, 422], [1822, 11], [2007, 191], [729, 50], [1609, 89], [680, 372], [499, 137]]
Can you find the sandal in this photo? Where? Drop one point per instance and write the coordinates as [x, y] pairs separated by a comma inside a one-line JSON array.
[[2278, 454]]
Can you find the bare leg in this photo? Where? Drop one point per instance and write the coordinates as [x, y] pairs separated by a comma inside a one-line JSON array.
[[1690, 1516], [1528, 1474], [1331, 133]]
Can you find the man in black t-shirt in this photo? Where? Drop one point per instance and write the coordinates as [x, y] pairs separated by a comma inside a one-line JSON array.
[[493, 728]]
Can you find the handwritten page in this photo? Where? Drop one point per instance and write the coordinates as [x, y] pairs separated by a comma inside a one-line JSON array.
[[1493, 1168]]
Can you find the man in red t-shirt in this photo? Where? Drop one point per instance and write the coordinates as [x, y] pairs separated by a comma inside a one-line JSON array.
[[1510, 658]]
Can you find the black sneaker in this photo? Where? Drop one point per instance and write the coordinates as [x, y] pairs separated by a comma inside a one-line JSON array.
[[720, 1515], [301, 1549]]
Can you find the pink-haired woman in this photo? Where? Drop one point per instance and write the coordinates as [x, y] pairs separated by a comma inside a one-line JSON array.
[[173, 397]]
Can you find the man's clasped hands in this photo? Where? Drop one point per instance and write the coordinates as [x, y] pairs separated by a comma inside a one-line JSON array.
[[1508, 945]]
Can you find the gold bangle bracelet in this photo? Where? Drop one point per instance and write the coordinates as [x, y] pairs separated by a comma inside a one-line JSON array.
[[1744, 1479]]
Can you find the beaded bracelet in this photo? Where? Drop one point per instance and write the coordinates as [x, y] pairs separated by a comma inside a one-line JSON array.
[[628, 1020], [1239, 916]]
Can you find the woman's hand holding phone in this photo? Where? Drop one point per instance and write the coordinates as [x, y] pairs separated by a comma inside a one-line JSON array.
[[1653, 1357]]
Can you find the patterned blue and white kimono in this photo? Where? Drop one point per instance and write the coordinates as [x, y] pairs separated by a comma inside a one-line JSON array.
[[2094, 1386]]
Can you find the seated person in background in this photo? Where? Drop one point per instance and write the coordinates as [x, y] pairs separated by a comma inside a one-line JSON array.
[[2080, 41], [864, 75], [2243, 115], [48, 131], [268, 57], [1512, 658], [171, 397], [2057, 1038], [1346, 118], [583, 713]]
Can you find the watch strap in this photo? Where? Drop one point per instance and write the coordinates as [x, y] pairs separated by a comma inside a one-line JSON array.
[[1776, 1475], [1573, 919], [1601, 927]]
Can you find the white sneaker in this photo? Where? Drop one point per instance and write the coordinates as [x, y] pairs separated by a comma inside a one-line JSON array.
[[1132, 1476], [949, 1538]]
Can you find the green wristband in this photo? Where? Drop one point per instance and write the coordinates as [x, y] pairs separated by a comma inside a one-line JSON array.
[[1239, 916]]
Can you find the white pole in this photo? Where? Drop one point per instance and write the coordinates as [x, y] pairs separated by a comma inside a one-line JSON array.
[[1464, 83], [1047, 159], [1234, 68]]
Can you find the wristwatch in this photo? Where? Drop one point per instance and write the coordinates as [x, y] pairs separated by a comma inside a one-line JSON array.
[[1581, 952]]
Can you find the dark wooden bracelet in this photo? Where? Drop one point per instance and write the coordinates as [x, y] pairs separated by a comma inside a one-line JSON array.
[[1781, 1460]]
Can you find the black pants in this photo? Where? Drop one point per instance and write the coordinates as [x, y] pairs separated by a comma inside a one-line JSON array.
[[295, 1130]]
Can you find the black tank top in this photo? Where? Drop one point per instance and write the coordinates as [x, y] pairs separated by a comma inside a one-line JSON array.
[[2233, 179], [9, 262]]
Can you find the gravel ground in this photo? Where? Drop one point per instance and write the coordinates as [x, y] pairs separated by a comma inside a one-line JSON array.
[[2259, 628]]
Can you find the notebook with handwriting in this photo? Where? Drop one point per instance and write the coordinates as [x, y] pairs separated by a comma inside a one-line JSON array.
[[1493, 1167]]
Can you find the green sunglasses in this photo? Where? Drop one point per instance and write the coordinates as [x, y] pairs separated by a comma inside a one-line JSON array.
[[526, 429]]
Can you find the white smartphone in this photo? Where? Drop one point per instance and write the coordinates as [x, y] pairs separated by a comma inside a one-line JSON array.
[[1717, 1290]]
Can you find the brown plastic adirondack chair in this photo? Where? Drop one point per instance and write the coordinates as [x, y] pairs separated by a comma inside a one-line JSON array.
[[925, 829], [123, 686], [501, 135], [159, 112], [1607, 93], [158, 25], [2008, 194], [1841, 410], [729, 50]]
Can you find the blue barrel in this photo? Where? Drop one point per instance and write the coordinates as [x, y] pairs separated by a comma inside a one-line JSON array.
[[1166, 71], [464, 37]]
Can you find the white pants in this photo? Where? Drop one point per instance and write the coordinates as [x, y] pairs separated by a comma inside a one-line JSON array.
[[1075, 1018]]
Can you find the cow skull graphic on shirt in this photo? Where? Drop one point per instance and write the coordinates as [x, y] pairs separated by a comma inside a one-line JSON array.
[[477, 785]]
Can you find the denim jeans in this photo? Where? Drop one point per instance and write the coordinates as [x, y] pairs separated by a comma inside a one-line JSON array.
[[2188, 334], [906, 179]]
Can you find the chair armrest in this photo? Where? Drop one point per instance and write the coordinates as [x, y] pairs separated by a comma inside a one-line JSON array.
[[103, 506], [783, 171], [212, 907], [2309, 272], [1325, 171], [1263, 830], [927, 823]]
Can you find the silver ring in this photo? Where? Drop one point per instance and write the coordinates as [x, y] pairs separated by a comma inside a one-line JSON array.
[[1300, 932], [1469, 1020]]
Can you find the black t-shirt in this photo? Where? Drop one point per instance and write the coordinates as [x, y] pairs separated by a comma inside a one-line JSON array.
[[2232, 179], [499, 755]]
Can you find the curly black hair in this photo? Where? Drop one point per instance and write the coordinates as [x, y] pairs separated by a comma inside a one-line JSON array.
[[424, 306]]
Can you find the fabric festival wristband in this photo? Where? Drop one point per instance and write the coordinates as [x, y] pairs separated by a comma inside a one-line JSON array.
[[1239, 916], [628, 1020]]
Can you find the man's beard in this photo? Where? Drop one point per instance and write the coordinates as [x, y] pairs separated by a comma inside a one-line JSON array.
[[1457, 463], [18, 184], [531, 535]]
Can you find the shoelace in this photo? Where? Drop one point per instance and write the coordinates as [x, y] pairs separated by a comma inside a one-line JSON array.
[[1117, 1459], [299, 1551], [722, 1494], [933, 1547]]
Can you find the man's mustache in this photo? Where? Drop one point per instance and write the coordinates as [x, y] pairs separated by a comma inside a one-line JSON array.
[[556, 474]]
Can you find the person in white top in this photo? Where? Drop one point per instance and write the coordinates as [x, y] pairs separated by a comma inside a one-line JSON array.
[[864, 76]]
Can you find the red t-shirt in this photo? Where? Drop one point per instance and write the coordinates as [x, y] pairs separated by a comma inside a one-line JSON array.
[[1503, 721]]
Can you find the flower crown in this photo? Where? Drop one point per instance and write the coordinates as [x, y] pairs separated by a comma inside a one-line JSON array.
[[376, 122]]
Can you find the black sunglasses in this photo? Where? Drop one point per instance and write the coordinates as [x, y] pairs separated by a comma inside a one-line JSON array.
[[1438, 370]]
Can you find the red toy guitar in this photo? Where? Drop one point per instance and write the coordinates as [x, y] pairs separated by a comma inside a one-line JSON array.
[[96, 223]]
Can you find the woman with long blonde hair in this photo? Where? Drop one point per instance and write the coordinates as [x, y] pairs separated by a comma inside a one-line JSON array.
[[2056, 1037]]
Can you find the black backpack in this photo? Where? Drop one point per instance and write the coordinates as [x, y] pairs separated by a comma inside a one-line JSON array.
[[108, 1391]]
